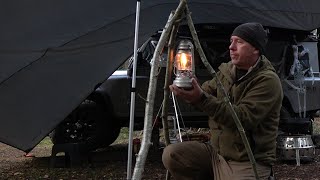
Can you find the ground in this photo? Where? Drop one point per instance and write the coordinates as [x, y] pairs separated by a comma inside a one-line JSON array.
[[111, 163]]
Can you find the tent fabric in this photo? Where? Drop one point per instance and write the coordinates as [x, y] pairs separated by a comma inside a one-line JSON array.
[[54, 52]]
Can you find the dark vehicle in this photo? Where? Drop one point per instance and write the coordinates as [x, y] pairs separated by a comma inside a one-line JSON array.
[[106, 110]]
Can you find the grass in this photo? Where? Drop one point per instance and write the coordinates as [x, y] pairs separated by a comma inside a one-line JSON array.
[[122, 138], [316, 125], [45, 142], [124, 135], [124, 132]]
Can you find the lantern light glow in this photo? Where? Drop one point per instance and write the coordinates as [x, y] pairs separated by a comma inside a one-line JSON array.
[[184, 60]]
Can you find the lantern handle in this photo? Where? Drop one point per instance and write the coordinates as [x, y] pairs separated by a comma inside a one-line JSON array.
[[174, 69]]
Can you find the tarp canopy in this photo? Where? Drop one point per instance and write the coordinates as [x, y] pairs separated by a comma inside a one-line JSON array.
[[54, 52]]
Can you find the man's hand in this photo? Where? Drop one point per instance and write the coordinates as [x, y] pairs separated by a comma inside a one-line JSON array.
[[190, 96]]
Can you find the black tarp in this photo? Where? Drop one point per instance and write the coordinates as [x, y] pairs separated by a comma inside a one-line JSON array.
[[54, 52]]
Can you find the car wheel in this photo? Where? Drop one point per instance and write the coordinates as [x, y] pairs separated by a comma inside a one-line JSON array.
[[89, 123]]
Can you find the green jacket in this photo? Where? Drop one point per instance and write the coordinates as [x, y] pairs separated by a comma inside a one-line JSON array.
[[257, 99]]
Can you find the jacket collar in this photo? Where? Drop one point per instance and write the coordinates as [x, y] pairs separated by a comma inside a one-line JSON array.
[[229, 70]]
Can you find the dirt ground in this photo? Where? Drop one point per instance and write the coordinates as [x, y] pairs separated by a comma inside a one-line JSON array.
[[111, 163]]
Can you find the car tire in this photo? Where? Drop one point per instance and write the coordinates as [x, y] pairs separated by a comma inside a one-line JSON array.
[[91, 123]]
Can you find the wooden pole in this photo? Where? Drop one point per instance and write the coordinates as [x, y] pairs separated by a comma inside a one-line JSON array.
[[166, 91], [168, 81]]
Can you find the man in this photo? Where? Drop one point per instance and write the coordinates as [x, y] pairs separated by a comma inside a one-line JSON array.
[[255, 92]]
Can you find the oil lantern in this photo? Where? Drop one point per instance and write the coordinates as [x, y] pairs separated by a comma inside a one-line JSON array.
[[184, 64]]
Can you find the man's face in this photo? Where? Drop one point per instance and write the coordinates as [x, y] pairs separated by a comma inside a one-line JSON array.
[[243, 55]]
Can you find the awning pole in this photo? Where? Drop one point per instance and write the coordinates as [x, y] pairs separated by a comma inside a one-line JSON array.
[[133, 90]]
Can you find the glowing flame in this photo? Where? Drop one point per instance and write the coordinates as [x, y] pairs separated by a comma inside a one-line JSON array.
[[183, 61]]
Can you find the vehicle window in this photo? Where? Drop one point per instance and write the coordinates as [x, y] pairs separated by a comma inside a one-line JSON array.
[[149, 51], [125, 65], [146, 52], [216, 51]]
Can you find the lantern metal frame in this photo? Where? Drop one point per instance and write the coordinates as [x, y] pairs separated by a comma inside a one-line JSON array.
[[183, 76]]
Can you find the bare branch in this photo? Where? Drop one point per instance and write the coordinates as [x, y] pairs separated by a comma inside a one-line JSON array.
[[226, 97]]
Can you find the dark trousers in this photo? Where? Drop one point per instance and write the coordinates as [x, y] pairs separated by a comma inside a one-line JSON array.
[[195, 160]]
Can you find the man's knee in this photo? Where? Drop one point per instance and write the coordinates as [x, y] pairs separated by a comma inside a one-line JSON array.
[[167, 156]]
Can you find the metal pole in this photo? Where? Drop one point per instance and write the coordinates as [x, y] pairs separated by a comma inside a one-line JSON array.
[[133, 93], [177, 118]]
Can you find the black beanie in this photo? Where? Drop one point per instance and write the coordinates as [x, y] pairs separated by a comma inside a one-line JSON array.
[[254, 34]]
